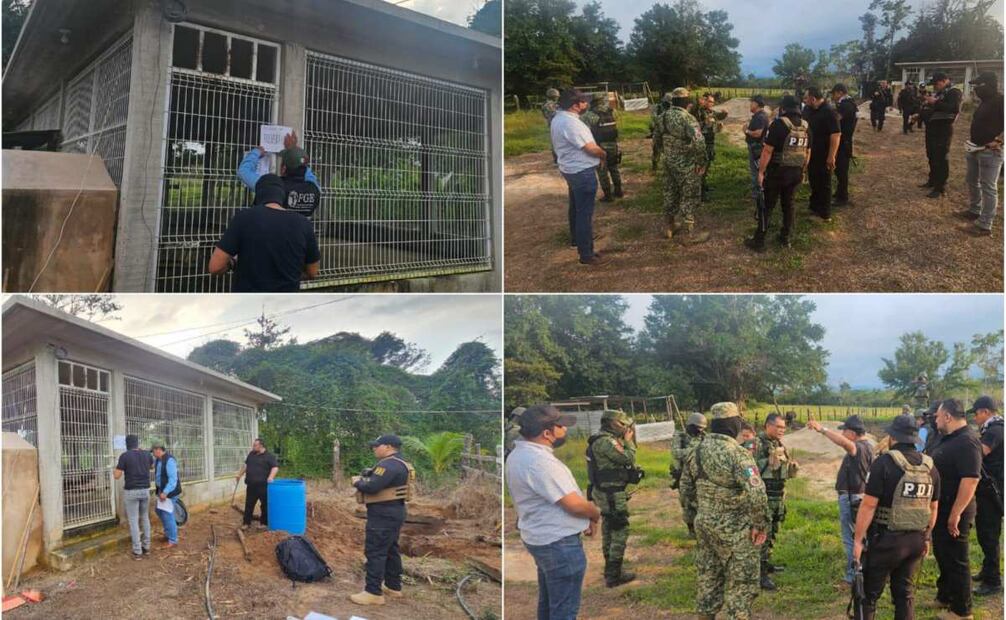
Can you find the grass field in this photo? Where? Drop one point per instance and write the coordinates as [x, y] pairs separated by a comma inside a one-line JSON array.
[[809, 545], [526, 132], [824, 412]]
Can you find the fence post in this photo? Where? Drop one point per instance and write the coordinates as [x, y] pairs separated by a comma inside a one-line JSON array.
[[336, 457]]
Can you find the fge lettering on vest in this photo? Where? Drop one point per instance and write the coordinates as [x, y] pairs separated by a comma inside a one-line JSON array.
[[917, 490]]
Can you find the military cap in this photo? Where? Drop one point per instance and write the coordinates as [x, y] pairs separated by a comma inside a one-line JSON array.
[[599, 96], [721, 411], [696, 419], [552, 93], [613, 416], [293, 158], [680, 92]]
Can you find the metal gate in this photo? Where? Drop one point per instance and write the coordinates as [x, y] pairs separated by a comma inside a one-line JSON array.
[[403, 164], [20, 412], [85, 444], [213, 120], [156, 412], [232, 436]]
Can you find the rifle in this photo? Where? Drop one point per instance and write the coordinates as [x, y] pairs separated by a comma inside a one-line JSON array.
[[855, 607]]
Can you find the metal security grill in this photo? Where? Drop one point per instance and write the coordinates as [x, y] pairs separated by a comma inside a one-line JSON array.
[[403, 162], [86, 445], [232, 436], [213, 121], [47, 116], [20, 414], [156, 412], [96, 102]]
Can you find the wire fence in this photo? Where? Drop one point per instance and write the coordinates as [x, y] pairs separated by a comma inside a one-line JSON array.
[[176, 418], [19, 405], [232, 436]]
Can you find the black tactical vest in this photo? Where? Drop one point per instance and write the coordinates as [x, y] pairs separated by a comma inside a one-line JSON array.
[[607, 129], [302, 196]]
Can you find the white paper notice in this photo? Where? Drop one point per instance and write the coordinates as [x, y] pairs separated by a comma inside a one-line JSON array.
[[119, 442], [166, 505], [272, 137]]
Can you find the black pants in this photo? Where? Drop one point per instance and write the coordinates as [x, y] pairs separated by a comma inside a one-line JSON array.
[[988, 526], [894, 555], [877, 119], [384, 563], [938, 136], [256, 492], [842, 160], [820, 185], [953, 586], [906, 122], [780, 185]]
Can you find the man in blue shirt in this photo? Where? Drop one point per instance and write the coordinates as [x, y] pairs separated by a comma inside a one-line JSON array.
[[302, 191], [168, 488]]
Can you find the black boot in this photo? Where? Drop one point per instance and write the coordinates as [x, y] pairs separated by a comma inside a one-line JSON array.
[[614, 576], [987, 589], [927, 184], [618, 191], [766, 581], [757, 242], [607, 197], [936, 193]]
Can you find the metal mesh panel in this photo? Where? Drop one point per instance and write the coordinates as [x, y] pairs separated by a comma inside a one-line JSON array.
[[157, 412], [86, 446], [232, 436], [20, 414], [47, 117], [403, 166], [79, 97], [212, 122]]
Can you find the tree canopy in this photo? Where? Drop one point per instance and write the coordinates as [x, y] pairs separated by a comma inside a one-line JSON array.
[[947, 370], [488, 19]]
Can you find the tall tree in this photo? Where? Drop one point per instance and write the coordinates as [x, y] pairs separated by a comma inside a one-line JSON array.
[[268, 335], [93, 307], [679, 45], [540, 50], [392, 350], [947, 370], [893, 16], [794, 64], [14, 14], [596, 40], [952, 30], [988, 352], [532, 358], [216, 354], [488, 19]]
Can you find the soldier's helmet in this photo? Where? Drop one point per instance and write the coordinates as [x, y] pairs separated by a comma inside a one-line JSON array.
[[552, 93], [720, 411], [696, 419], [599, 97], [667, 97], [923, 376], [515, 414], [679, 92], [616, 421]]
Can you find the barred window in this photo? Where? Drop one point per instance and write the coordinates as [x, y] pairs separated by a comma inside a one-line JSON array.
[[159, 413], [20, 414], [232, 436]]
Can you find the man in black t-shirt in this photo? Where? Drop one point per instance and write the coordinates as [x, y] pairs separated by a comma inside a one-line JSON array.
[[754, 136], [274, 247], [847, 115], [134, 464], [825, 137], [943, 107], [984, 154], [958, 457], [261, 468], [896, 519], [988, 497]]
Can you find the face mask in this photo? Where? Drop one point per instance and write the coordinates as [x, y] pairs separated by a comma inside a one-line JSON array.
[[984, 92], [558, 442]]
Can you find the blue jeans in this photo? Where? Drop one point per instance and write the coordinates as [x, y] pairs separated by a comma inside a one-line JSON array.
[[582, 191], [168, 521], [561, 567], [848, 526], [983, 184]]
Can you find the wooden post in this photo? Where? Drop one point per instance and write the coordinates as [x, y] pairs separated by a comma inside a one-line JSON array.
[[336, 465]]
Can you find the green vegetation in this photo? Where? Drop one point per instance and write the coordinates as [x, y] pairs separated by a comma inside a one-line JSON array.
[[441, 449], [526, 132]]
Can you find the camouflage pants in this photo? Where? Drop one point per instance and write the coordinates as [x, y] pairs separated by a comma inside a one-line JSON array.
[[726, 563], [777, 508], [657, 148], [614, 529], [688, 510], [710, 156], [608, 172], [682, 192]]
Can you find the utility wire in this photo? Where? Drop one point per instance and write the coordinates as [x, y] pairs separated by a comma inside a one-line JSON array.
[[418, 411]]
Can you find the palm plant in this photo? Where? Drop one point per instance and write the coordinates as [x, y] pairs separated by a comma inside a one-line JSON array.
[[442, 449]]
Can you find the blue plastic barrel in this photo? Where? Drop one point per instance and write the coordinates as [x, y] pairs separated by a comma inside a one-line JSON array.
[[287, 505]]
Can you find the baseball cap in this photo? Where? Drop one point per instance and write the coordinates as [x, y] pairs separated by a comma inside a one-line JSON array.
[[937, 76], [853, 423], [569, 96], [387, 440], [983, 402], [985, 78], [539, 418], [293, 158], [903, 429], [789, 102]]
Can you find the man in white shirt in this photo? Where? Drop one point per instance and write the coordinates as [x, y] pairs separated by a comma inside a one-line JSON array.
[[551, 511], [577, 156]]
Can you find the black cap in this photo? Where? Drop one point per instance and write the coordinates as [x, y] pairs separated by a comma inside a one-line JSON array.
[[937, 76], [986, 78], [270, 188], [569, 96], [984, 402], [759, 100], [933, 408], [789, 102], [853, 423], [539, 418], [387, 440], [903, 429]]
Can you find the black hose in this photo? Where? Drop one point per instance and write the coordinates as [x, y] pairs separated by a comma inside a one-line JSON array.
[[209, 573], [461, 600]]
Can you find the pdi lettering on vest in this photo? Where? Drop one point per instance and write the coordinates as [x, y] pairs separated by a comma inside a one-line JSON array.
[[909, 510], [795, 146]]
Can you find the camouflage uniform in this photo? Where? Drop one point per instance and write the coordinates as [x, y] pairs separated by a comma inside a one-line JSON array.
[[656, 111], [682, 447], [551, 105], [710, 124], [775, 470], [684, 150], [512, 433], [601, 121], [613, 456], [722, 478], [921, 391]]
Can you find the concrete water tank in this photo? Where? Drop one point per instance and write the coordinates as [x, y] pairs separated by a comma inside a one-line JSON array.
[[39, 190], [20, 493]]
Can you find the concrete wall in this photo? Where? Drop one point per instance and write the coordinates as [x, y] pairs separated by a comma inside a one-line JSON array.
[[20, 492], [60, 201]]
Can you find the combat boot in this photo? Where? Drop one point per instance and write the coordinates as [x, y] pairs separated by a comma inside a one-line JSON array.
[[366, 598], [756, 243], [606, 197], [692, 237], [618, 191], [614, 575], [766, 581], [986, 589], [392, 593]]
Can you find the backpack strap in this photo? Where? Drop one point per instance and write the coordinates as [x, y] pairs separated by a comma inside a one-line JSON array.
[[788, 123]]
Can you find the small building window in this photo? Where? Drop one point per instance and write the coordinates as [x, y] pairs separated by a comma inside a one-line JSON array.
[[185, 51], [214, 53], [241, 58], [221, 53], [266, 67]]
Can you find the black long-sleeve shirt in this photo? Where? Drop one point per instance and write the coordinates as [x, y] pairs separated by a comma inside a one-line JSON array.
[[389, 472], [987, 123]]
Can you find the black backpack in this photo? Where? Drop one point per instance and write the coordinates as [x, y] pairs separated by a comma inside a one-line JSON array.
[[300, 561]]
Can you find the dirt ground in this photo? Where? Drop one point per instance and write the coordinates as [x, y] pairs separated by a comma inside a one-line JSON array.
[[169, 584], [892, 238]]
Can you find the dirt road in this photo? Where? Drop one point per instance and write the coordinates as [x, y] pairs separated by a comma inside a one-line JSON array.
[[169, 584], [891, 239]]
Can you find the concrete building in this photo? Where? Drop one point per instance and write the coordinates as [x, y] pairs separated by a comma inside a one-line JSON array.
[[74, 389], [399, 112], [960, 71]]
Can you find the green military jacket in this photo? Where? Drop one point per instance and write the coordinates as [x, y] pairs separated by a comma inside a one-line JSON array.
[[607, 456], [722, 481], [548, 110], [709, 122], [781, 467], [682, 139]]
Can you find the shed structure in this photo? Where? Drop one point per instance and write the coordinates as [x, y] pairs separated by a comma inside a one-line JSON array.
[[960, 71], [71, 387], [399, 113]]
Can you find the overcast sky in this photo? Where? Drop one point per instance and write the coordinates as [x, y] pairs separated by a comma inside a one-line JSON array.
[[861, 329], [764, 27], [454, 11], [437, 323]]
